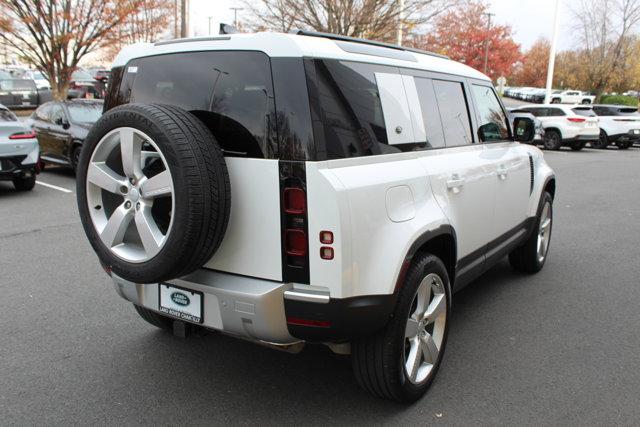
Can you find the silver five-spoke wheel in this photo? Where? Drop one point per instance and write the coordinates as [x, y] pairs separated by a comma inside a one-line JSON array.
[[130, 194], [424, 333], [544, 232]]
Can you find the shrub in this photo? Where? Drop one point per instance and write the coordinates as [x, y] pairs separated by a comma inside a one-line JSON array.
[[619, 100]]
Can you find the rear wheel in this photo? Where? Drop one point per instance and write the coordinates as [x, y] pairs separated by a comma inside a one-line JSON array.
[[552, 140], [555, 101], [624, 145], [157, 320], [401, 361], [602, 142], [577, 146], [24, 183], [586, 102], [531, 256]]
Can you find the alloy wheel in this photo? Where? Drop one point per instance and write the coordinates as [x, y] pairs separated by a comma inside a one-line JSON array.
[[130, 194], [544, 232], [424, 332]]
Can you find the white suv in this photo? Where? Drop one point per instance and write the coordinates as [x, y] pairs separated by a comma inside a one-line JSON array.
[[308, 188], [619, 125], [566, 125]]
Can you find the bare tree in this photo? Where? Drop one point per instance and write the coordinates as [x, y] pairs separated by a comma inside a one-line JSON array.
[[605, 29], [372, 19], [153, 18], [54, 35]]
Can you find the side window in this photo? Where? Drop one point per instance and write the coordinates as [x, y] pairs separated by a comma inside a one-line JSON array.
[[351, 116], [454, 112], [430, 113], [56, 114], [231, 92], [492, 121], [555, 112]]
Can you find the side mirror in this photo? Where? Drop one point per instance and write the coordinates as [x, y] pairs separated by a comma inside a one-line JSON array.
[[62, 122], [524, 129], [489, 132]]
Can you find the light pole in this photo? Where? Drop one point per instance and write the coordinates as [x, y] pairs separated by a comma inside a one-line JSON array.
[[486, 43], [552, 55], [235, 15], [209, 18]]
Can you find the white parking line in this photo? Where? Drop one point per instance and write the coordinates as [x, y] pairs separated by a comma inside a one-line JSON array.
[[55, 187]]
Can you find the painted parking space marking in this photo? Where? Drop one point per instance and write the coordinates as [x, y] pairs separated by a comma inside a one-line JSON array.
[[54, 187]]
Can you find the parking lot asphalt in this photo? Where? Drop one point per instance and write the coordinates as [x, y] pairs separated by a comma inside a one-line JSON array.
[[560, 347]]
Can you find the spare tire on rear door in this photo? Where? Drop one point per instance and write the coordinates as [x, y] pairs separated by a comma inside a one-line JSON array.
[[153, 192]]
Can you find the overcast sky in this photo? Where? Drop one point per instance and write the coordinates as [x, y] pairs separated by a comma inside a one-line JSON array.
[[530, 19]]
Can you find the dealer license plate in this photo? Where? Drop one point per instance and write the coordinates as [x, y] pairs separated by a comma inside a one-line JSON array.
[[182, 303], [636, 131]]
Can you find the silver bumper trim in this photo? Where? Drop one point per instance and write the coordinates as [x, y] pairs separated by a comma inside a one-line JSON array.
[[244, 306]]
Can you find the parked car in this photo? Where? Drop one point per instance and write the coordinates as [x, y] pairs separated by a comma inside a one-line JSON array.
[[19, 152], [539, 129], [62, 126], [572, 97], [619, 125], [19, 93], [566, 125], [537, 96], [100, 74], [310, 195], [38, 78], [83, 85]]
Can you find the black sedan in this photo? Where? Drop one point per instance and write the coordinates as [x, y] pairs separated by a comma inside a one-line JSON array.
[[62, 126]]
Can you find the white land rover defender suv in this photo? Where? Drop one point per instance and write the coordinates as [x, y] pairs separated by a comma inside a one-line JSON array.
[[294, 188]]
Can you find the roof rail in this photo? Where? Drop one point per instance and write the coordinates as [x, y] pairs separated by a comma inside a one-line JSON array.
[[364, 41]]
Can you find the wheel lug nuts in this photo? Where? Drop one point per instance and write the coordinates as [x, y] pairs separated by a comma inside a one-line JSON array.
[[127, 204], [124, 189]]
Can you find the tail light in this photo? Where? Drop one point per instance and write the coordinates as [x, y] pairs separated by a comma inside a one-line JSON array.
[[576, 119], [295, 240], [23, 135]]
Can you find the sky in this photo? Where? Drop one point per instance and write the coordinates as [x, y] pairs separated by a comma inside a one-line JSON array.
[[530, 19]]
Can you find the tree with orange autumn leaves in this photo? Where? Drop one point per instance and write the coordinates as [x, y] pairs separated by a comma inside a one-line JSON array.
[[461, 34]]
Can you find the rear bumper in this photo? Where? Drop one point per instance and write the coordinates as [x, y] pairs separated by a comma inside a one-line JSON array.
[[625, 137], [580, 138], [12, 167], [271, 312]]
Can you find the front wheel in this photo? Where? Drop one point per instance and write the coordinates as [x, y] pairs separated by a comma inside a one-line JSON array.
[[400, 361], [531, 256]]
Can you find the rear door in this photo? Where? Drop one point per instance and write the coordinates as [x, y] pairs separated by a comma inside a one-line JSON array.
[[57, 134], [460, 172]]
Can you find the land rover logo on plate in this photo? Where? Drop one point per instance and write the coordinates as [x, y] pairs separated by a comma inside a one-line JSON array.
[[180, 298]]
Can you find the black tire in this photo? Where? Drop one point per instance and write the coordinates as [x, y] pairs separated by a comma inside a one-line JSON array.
[[577, 146], [378, 360], [602, 142], [624, 145], [157, 320], [75, 157], [24, 184], [555, 101], [202, 194], [525, 258], [552, 140], [586, 102]]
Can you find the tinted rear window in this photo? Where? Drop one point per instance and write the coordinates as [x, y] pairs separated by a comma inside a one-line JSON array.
[[587, 112], [7, 116], [231, 92]]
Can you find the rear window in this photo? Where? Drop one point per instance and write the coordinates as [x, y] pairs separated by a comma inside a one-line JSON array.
[[628, 111], [231, 92], [7, 116], [586, 112], [17, 84]]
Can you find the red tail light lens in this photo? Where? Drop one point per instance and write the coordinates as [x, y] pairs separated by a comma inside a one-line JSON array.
[[295, 241], [23, 135], [576, 119], [294, 201], [308, 322]]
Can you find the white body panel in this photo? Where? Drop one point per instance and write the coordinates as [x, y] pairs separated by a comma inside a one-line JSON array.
[[568, 130], [251, 245], [620, 125]]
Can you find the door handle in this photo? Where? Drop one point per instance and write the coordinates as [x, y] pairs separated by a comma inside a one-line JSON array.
[[455, 184], [502, 172]]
